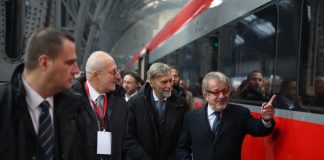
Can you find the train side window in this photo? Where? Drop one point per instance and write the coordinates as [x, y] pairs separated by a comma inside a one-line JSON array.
[[312, 75], [252, 48], [202, 53]]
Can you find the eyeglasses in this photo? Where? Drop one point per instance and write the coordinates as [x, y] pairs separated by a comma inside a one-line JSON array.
[[217, 93], [115, 72]]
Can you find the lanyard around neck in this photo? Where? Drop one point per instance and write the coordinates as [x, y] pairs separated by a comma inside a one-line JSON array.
[[96, 108]]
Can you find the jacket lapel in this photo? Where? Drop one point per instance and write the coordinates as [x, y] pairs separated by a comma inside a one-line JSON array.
[[204, 122], [27, 121], [23, 109], [110, 107], [92, 113], [226, 122]]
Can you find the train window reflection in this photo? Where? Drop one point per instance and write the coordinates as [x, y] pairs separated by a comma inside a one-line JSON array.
[[253, 49], [314, 81]]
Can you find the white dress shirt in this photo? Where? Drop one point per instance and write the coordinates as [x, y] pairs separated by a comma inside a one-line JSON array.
[[33, 100], [211, 116], [93, 94], [128, 97]]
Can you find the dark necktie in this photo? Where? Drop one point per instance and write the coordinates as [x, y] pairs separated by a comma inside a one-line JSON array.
[[216, 123], [45, 133], [99, 103], [160, 108]]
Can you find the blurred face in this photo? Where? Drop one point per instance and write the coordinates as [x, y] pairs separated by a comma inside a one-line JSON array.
[[217, 95], [108, 77], [255, 81], [61, 70], [162, 85], [266, 85], [130, 85], [291, 92], [176, 77]]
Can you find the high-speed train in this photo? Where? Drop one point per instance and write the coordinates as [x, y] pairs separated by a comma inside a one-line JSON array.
[[284, 39]]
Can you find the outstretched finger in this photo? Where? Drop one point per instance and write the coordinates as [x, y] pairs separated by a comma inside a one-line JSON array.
[[272, 99]]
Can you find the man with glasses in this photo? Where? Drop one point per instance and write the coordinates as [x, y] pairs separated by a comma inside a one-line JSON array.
[[217, 130], [106, 107], [132, 82]]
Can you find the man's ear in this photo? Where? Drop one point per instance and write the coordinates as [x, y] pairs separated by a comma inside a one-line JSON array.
[[205, 95], [95, 74], [43, 62]]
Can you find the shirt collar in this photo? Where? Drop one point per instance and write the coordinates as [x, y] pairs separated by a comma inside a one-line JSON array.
[[156, 98], [210, 111], [33, 99], [93, 93], [130, 95]]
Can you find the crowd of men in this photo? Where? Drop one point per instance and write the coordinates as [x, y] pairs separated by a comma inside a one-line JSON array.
[[47, 114]]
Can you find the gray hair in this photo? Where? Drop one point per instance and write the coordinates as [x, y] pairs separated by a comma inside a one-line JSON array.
[[156, 70], [95, 62], [217, 76]]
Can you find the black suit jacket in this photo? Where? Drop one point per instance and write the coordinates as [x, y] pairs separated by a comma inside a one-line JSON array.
[[147, 138], [18, 140], [236, 122], [115, 120]]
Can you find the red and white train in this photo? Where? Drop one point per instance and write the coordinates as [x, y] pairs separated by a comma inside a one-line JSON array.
[[282, 38]]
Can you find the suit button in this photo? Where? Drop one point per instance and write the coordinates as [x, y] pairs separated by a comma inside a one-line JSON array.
[[34, 158], [62, 156]]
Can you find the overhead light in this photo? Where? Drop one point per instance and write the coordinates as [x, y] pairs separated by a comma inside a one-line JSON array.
[[215, 3]]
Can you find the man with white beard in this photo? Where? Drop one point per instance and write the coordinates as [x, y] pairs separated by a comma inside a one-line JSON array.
[[155, 117]]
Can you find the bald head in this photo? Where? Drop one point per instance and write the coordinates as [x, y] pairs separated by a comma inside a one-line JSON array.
[[101, 72], [97, 61]]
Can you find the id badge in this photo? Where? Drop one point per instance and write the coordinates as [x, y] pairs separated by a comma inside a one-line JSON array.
[[104, 142]]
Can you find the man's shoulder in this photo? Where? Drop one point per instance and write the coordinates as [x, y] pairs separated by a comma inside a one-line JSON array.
[[239, 109], [178, 98], [78, 85], [196, 112], [139, 97], [69, 97]]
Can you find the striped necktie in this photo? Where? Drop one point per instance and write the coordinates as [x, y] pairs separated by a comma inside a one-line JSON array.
[[46, 133]]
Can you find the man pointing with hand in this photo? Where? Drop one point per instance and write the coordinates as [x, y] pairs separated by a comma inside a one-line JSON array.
[[217, 130]]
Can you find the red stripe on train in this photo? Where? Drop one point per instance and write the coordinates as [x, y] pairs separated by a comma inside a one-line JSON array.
[[291, 140]]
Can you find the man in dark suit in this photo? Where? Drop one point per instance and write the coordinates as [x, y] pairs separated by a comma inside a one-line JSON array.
[[106, 107], [40, 118], [217, 130], [287, 97], [155, 117], [179, 90]]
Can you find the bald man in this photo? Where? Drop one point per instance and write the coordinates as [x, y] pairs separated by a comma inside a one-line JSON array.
[[107, 108]]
